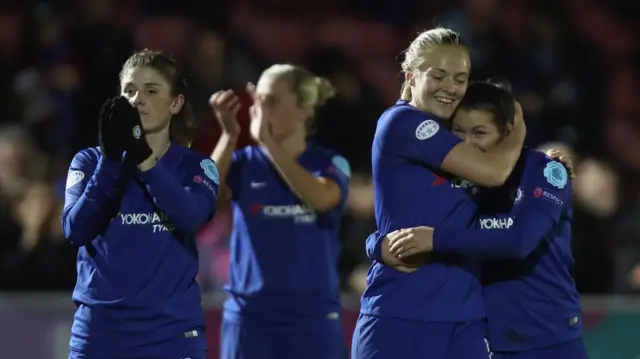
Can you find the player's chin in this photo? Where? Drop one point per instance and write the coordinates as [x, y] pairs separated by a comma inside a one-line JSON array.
[[443, 110], [146, 119], [150, 126]]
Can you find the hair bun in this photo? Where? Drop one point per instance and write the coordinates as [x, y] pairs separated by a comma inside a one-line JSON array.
[[325, 90], [501, 83]]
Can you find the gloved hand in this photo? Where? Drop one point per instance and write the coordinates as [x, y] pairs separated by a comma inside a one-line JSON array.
[[133, 137], [110, 131]]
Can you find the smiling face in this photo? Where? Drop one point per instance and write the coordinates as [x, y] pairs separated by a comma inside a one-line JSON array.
[[442, 81]]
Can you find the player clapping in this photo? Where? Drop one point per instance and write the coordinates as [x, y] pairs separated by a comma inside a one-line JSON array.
[[288, 198], [133, 206]]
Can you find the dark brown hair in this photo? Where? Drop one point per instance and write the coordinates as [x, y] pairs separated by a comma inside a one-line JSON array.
[[494, 96], [183, 124]]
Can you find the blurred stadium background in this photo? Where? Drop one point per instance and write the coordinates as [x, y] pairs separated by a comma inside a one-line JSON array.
[[574, 64]]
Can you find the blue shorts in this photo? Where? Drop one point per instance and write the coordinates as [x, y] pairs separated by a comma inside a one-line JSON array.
[[181, 347], [249, 340], [574, 349], [391, 338], [192, 355]]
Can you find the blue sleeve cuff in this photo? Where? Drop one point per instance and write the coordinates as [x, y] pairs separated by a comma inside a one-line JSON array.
[[443, 239], [377, 251], [374, 246]]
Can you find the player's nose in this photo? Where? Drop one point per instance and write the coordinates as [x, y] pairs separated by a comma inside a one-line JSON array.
[[136, 100]]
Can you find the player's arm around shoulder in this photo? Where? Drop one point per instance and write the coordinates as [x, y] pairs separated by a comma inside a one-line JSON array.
[[489, 168], [406, 132], [538, 204], [421, 138]]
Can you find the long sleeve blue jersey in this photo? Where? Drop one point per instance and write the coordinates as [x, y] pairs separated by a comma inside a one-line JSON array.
[[284, 255], [410, 191], [137, 260], [524, 231]]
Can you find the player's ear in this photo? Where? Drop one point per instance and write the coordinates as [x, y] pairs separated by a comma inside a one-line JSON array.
[[177, 104], [508, 128], [408, 78]]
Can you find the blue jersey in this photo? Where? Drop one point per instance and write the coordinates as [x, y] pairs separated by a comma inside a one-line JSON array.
[[524, 228], [410, 191], [137, 260], [284, 255]]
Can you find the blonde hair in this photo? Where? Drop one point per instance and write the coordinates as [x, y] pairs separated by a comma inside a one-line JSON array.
[[311, 91], [416, 53]]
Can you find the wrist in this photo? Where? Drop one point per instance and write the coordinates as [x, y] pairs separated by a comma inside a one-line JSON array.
[[230, 137]]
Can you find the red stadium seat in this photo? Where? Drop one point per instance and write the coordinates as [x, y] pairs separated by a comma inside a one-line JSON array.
[[10, 34], [281, 39], [360, 38], [206, 141], [385, 76], [167, 34]]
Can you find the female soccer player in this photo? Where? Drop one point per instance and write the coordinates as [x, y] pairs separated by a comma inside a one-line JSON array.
[[533, 306], [438, 311], [133, 206], [288, 196]]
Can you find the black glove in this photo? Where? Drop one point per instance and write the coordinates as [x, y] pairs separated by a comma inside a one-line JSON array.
[[133, 137], [110, 131]]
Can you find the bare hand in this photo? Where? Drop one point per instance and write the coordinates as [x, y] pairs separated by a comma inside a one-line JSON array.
[[394, 262], [260, 118], [411, 241], [564, 158], [226, 105]]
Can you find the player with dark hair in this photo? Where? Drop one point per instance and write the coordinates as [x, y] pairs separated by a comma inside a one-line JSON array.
[[416, 160], [523, 230], [133, 206], [288, 199]]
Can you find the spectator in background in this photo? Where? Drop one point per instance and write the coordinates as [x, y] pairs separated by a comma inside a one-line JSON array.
[[358, 223], [41, 259], [354, 109], [595, 192]]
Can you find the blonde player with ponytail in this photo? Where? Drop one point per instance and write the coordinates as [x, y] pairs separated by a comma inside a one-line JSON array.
[[288, 196]]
